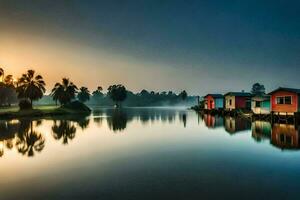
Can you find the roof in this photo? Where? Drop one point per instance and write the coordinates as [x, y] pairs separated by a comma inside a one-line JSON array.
[[286, 89], [215, 95], [238, 94]]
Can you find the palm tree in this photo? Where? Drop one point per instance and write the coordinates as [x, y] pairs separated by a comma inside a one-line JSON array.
[[64, 92], [183, 95], [2, 73], [30, 86], [84, 94], [9, 80], [117, 93], [57, 92]]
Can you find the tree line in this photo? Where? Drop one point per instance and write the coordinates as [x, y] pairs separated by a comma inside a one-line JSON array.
[[31, 87]]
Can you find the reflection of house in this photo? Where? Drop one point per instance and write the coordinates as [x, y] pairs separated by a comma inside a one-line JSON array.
[[261, 104], [261, 130], [234, 125], [237, 100], [285, 136], [212, 121], [214, 101], [285, 101]]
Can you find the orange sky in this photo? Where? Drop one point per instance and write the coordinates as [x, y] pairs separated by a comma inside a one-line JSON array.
[[55, 58]]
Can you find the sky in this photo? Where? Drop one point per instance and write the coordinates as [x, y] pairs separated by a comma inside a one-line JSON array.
[[211, 46]]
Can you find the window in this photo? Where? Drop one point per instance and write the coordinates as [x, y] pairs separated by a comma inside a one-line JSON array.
[[230, 102], [257, 104], [284, 100], [279, 100], [288, 100]]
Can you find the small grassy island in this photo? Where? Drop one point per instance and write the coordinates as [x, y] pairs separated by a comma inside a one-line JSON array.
[[30, 87], [73, 108]]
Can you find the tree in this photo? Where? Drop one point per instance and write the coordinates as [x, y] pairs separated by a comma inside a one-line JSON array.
[[183, 95], [2, 73], [31, 87], [84, 94], [258, 89], [8, 94], [9, 80], [117, 93], [97, 94], [64, 92]]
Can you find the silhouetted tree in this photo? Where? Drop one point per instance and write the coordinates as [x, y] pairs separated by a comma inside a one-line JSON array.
[[97, 95], [2, 73], [258, 89], [64, 92], [117, 93], [183, 95], [8, 93], [31, 87], [83, 94]]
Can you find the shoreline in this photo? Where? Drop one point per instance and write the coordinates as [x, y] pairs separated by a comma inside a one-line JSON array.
[[40, 112]]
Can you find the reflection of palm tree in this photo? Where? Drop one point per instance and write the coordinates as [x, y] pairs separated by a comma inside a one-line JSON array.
[[117, 121], [8, 131], [83, 123], [1, 151], [64, 129], [28, 141]]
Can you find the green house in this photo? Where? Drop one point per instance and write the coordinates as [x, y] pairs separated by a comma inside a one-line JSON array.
[[261, 104]]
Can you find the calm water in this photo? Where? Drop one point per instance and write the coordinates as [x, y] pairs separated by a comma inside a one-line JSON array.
[[148, 154]]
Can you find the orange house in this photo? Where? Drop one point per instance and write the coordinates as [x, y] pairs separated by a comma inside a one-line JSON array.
[[285, 100], [214, 101]]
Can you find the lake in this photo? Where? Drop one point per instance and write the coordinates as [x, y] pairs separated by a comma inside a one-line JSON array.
[[148, 153]]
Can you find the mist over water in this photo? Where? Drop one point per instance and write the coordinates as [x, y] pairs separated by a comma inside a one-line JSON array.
[[148, 153]]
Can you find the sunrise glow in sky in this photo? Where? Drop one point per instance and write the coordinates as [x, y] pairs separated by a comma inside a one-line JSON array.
[[200, 46]]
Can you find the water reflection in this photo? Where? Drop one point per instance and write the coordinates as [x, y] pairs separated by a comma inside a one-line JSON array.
[[29, 141], [64, 130], [27, 138], [261, 130], [8, 129], [285, 136], [72, 152], [236, 124], [117, 120], [213, 121], [22, 135]]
